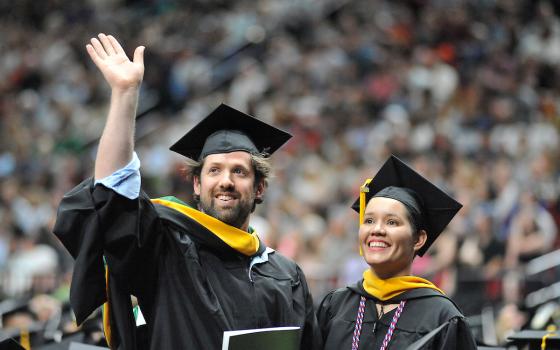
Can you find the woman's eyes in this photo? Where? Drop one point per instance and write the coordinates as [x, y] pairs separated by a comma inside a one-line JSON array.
[[390, 222]]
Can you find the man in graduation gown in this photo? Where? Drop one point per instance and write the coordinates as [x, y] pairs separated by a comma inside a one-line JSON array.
[[195, 273]]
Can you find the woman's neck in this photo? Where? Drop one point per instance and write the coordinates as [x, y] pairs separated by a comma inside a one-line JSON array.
[[386, 273]]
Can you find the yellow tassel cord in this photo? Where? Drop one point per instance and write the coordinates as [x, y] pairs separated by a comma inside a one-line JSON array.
[[106, 311], [550, 332], [363, 190], [24, 339]]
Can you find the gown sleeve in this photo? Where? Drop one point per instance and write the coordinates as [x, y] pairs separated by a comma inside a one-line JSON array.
[[95, 223], [311, 337], [454, 334], [323, 315]]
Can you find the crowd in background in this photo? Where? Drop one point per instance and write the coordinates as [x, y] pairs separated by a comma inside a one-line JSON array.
[[467, 92]]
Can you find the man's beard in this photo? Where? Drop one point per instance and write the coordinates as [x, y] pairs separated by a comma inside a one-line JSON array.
[[234, 216]]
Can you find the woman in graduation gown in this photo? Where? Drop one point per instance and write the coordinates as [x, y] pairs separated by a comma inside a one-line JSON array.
[[401, 214]]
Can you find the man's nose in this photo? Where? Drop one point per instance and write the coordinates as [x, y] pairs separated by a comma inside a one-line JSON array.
[[226, 180]]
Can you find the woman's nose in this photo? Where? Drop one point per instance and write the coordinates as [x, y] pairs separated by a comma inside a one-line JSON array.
[[378, 229]]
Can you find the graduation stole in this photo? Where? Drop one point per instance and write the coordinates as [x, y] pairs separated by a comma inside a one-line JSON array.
[[363, 190], [385, 289], [244, 242]]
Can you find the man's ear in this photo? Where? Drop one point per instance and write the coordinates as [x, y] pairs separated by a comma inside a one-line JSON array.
[[259, 192], [422, 238], [196, 185]]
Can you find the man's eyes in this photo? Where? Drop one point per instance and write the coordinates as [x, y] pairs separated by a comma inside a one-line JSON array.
[[240, 171], [237, 171]]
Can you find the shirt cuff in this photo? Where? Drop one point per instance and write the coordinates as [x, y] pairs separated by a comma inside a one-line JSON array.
[[125, 181]]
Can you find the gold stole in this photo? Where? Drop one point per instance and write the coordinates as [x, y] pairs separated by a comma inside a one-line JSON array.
[[385, 289]]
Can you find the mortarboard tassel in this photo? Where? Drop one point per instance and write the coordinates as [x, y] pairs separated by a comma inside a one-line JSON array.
[[363, 190], [107, 310], [24, 339], [550, 332]]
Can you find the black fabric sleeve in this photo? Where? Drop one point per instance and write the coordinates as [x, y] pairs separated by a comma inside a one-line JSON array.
[[456, 335], [311, 337], [94, 222], [76, 226], [453, 334], [323, 315]]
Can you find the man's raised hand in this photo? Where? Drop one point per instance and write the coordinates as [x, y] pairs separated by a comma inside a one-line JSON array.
[[109, 56]]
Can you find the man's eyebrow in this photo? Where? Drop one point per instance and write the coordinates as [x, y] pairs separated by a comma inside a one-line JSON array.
[[234, 165], [241, 165]]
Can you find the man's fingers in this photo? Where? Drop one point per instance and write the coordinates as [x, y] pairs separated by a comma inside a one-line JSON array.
[[115, 44], [139, 55], [99, 50], [92, 54], [107, 44]]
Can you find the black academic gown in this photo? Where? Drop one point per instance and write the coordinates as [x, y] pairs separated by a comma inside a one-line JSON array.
[[424, 311], [191, 287]]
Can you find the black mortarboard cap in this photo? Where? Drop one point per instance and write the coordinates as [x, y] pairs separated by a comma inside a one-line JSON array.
[[79, 346], [227, 130], [531, 339], [10, 307], [10, 344], [73, 341], [64, 343], [33, 335], [437, 206]]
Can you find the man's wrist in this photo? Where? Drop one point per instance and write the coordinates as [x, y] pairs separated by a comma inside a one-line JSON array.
[[126, 91]]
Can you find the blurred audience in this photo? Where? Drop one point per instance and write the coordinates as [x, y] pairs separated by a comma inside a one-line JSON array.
[[467, 92]]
